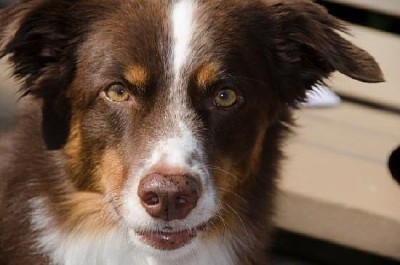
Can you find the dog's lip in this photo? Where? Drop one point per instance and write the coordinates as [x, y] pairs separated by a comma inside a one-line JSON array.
[[163, 240]]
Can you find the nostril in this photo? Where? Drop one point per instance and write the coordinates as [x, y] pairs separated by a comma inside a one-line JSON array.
[[181, 200], [151, 199]]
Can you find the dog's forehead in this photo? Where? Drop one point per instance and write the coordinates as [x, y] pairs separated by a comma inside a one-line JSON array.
[[169, 38]]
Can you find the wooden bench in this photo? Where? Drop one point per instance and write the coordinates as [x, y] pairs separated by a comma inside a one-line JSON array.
[[336, 185]]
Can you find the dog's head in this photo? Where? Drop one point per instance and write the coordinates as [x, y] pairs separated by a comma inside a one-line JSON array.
[[173, 110]]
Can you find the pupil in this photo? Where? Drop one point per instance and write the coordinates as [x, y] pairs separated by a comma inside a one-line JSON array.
[[224, 95], [120, 91]]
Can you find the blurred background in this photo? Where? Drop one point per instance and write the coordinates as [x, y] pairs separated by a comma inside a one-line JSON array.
[[337, 203]]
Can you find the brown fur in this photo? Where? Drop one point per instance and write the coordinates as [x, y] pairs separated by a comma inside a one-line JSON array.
[[75, 148]]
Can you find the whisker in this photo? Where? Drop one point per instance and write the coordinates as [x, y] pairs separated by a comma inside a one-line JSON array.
[[239, 218], [227, 190], [225, 228], [217, 168]]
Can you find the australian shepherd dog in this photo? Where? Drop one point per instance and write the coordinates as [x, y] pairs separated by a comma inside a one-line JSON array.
[[150, 131]]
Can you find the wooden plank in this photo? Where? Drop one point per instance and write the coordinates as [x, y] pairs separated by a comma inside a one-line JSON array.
[[336, 185]]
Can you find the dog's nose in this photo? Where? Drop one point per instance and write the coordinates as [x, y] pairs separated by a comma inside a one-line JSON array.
[[169, 197]]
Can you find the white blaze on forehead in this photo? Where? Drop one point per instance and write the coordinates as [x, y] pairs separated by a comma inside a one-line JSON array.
[[177, 148], [183, 28]]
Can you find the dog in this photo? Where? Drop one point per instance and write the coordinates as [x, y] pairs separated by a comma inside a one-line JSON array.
[[150, 132]]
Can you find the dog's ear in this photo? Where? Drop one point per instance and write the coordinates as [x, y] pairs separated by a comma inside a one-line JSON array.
[[309, 46], [38, 40]]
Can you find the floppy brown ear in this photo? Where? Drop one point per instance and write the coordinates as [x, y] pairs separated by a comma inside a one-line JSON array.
[[309, 46], [35, 37]]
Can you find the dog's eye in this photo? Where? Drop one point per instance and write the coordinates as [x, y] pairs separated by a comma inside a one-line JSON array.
[[225, 98], [118, 93]]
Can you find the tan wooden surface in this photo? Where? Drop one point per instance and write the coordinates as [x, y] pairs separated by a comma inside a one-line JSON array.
[[336, 185]]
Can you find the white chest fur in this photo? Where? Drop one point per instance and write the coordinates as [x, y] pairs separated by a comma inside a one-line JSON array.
[[115, 247]]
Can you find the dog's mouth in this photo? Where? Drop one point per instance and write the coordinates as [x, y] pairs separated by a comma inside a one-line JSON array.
[[167, 240]]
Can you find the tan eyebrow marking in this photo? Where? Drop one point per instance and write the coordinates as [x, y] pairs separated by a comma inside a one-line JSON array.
[[137, 75], [207, 74]]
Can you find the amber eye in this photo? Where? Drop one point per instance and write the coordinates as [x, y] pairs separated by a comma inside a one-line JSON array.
[[225, 98], [118, 93]]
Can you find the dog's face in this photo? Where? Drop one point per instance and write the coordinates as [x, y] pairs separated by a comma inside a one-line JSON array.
[[164, 110]]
